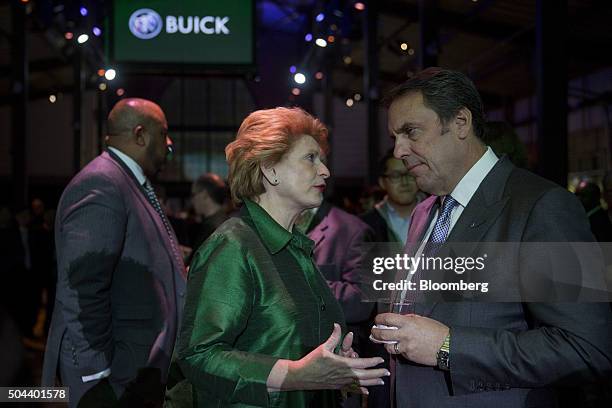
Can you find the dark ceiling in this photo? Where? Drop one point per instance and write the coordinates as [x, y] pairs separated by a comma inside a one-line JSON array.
[[491, 40]]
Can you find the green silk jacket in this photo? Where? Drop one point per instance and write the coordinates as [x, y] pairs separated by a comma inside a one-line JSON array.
[[254, 295]]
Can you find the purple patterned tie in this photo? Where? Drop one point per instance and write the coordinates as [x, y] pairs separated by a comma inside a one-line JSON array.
[[436, 240]]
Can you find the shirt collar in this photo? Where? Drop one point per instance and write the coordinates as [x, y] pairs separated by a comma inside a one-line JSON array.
[[131, 164], [272, 234], [468, 185]]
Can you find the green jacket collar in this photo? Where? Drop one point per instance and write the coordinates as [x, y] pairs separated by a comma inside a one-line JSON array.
[[272, 234]]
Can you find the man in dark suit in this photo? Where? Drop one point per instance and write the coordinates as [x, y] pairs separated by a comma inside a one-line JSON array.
[[473, 354], [121, 279]]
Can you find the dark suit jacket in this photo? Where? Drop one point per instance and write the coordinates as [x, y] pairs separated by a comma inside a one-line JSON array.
[[377, 222], [511, 354], [120, 288], [339, 238]]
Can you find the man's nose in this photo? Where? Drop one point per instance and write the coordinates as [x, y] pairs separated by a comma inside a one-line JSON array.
[[401, 149]]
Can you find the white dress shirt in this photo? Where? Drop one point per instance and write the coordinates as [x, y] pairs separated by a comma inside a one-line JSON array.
[[465, 189], [463, 192]]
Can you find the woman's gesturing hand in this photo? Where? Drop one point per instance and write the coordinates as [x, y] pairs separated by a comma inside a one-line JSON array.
[[322, 369]]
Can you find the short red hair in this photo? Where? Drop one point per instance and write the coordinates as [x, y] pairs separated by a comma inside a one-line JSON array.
[[264, 137]]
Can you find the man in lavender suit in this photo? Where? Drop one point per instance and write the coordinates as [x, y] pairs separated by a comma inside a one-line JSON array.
[[121, 279]]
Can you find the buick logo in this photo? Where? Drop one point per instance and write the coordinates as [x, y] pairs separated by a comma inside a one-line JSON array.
[[145, 23]]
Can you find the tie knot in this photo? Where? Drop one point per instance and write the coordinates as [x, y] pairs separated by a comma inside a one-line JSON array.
[[448, 204]]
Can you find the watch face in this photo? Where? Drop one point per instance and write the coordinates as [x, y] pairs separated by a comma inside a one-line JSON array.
[[443, 361]]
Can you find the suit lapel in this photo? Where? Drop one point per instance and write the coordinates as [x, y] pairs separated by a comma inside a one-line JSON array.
[[139, 193], [319, 225]]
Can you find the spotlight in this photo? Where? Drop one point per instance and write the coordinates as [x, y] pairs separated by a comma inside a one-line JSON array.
[[102, 86], [319, 75], [97, 31], [349, 102], [81, 39], [292, 69], [331, 38], [295, 91], [320, 17], [83, 11], [68, 35], [321, 42], [101, 72], [308, 37], [347, 60], [404, 46], [357, 96], [410, 51], [120, 92], [52, 98], [359, 6], [110, 74], [299, 78]]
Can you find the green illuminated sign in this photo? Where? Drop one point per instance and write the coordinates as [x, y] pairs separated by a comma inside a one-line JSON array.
[[209, 32]]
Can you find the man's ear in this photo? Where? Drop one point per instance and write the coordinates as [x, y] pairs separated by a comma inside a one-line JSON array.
[[463, 122], [139, 135], [269, 174]]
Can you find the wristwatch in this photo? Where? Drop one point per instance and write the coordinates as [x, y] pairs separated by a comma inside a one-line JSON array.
[[443, 355]]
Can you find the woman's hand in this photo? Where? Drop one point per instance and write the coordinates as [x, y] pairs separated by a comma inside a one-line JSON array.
[[346, 350], [322, 369]]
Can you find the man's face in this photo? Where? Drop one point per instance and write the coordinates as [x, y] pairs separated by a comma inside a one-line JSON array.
[[201, 202], [399, 184], [158, 142], [430, 152]]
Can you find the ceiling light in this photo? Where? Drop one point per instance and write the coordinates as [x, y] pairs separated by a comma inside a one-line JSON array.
[[110, 74], [321, 42], [299, 78]]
